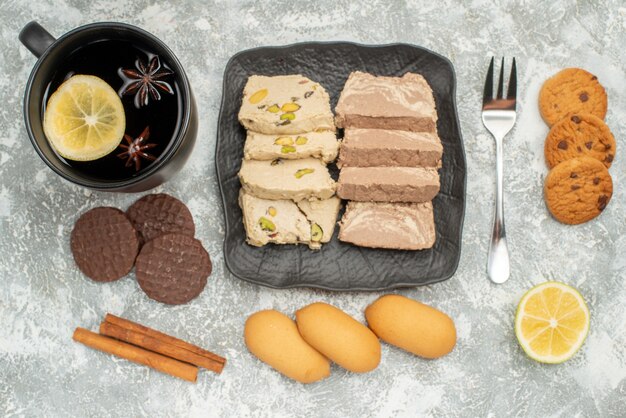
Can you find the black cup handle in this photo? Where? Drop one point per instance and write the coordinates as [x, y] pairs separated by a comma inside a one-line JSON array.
[[36, 38]]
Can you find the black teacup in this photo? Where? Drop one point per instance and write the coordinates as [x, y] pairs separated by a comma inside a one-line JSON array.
[[123, 174]]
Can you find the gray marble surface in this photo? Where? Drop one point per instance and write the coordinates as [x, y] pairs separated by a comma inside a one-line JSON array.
[[43, 297]]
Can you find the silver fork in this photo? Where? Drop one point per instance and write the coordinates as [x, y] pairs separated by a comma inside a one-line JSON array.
[[499, 117]]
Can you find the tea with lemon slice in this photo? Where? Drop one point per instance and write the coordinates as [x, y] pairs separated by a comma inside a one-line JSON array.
[[112, 109], [84, 119]]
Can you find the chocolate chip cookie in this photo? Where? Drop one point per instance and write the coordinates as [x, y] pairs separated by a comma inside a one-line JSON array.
[[580, 134], [571, 90], [578, 190]]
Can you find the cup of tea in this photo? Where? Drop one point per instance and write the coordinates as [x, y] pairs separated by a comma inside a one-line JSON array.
[[112, 89]]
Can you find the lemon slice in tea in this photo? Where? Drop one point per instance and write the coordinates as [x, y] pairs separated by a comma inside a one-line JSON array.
[[84, 119], [552, 322]]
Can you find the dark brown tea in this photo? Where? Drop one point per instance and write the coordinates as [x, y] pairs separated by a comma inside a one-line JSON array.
[[150, 93]]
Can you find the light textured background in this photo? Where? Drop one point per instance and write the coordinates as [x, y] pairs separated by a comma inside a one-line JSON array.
[[43, 297]]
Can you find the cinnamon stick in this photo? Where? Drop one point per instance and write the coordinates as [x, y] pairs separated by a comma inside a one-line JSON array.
[[133, 326], [159, 346], [136, 354]]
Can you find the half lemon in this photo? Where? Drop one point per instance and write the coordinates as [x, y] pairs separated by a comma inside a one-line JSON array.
[[552, 322], [84, 119]]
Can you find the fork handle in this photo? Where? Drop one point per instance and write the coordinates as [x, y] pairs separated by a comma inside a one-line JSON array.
[[498, 266]]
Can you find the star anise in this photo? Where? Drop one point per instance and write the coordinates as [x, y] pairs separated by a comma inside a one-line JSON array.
[[136, 149], [145, 81]]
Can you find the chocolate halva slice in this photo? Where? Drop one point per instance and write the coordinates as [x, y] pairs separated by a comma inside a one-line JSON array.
[[285, 222], [388, 184], [286, 104], [322, 145], [399, 226], [279, 179], [383, 147], [403, 103]]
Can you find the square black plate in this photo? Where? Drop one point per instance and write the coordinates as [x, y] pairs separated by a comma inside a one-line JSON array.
[[341, 266]]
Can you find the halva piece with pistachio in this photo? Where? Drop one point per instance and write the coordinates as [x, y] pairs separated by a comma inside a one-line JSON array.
[[323, 217], [276, 221], [285, 222], [286, 104], [303, 179], [322, 145]]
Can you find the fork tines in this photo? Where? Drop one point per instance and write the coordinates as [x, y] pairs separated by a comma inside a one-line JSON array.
[[511, 91]]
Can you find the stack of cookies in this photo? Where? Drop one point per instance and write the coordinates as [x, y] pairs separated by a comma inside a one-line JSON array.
[[156, 236], [287, 194], [579, 148], [389, 159]]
